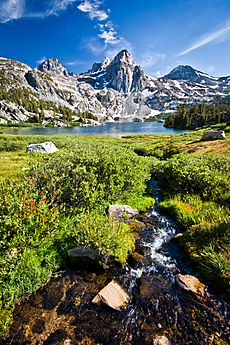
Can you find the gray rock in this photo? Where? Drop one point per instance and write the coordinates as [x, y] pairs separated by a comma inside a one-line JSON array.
[[111, 89], [122, 212], [213, 135], [46, 147]]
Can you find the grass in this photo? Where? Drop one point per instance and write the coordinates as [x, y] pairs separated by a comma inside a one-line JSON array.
[[64, 204]]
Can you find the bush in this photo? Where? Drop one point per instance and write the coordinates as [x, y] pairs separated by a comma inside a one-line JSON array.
[[91, 178], [206, 176]]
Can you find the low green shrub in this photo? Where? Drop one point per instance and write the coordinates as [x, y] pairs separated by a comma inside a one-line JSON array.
[[206, 176]]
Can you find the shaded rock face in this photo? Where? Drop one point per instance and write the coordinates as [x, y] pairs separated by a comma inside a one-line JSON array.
[[213, 135], [184, 73], [122, 74], [84, 257]]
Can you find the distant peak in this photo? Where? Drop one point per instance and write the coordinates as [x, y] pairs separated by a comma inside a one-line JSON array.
[[53, 65]]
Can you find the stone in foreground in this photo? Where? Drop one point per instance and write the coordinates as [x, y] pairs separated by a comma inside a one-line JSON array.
[[122, 212], [190, 283], [113, 295], [213, 135], [46, 147]]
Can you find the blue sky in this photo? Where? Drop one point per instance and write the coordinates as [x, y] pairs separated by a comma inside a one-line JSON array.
[[160, 34]]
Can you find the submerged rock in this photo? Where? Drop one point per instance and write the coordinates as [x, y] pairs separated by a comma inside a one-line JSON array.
[[113, 295], [161, 340], [122, 212], [46, 147], [190, 283], [213, 135], [153, 287]]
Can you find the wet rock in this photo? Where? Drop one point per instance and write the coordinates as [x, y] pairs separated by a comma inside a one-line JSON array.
[[56, 338], [84, 257], [135, 225], [213, 135], [113, 295], [39, 326], [47, 147], [153, 287], [161, 340], [190, 283], [136, 257], [177, 236], [122, 212]]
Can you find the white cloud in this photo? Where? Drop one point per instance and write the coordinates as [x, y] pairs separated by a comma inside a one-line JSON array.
[[16, 9], [94, 45], [39, 61], [92, 7], [11, 9], [157, 74], [107, 31], [150, 59], [73, 63], [222, 33]]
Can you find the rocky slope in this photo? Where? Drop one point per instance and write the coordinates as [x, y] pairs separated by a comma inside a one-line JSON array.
[[111, 90]]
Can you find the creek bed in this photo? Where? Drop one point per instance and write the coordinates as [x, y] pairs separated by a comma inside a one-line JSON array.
[[62, 312]]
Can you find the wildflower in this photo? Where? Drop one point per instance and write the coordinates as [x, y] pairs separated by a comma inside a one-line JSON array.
[[44, 199], [53, 209], [19, 215], [23, 196], [32, 203], [28, 214]]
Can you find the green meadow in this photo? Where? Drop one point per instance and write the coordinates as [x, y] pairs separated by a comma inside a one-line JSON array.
[[51, 203]]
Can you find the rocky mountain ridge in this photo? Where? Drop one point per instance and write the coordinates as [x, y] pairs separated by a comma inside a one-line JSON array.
[[110, 90]]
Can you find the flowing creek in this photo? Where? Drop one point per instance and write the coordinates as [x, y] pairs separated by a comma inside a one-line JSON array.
[[62, 312]]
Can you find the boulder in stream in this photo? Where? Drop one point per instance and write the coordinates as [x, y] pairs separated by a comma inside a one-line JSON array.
[[190, 283], [113, 295], [122, 212]]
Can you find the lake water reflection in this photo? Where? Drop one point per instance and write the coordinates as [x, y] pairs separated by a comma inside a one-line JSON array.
[[107, 129]]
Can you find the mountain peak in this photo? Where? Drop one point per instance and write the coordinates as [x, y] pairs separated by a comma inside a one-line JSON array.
[[190, 74], [99, 66], [124, 56], [183, 72], [53, 66]]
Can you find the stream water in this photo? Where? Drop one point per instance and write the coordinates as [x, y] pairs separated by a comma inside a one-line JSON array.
[[62, 312]]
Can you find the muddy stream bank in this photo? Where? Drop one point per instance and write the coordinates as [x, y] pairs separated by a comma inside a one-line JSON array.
[[160, 312]]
